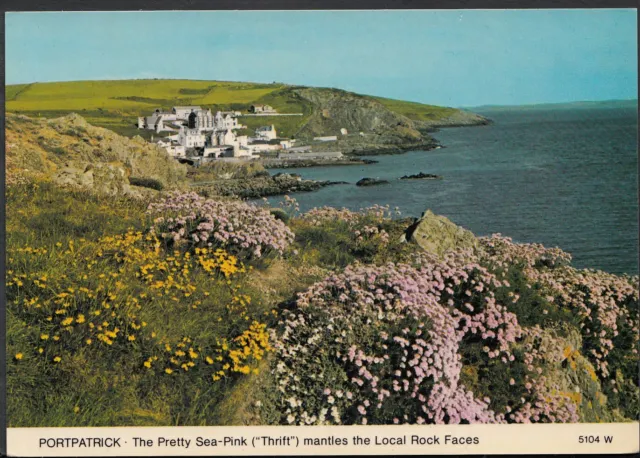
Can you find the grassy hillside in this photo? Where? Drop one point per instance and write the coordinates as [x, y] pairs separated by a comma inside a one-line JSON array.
[[417, 111], [117, 104]]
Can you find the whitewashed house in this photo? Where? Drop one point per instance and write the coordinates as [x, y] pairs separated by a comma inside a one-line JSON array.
[[202, 120], [267, 132], [157, 121], [257, 109], [191, 138], [172, 147], [226, 120], [184, 112]]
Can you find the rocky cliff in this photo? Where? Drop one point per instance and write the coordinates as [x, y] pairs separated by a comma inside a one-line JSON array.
[[371, 126], [70, 151]]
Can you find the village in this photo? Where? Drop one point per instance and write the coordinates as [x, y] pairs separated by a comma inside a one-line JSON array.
[[199, 136]]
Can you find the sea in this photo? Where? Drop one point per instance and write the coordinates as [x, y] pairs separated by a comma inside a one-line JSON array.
[[560, 177]]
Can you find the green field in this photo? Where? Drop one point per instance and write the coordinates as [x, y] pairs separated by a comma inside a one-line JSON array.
[[131, 96]]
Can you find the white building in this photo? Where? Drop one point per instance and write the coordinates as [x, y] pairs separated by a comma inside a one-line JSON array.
[[191, 138], [261, 109], [262, 147], [226, 120], [202, 120], [218, 151], [184, 112], [157, 121], [267, 132], [172, 147]]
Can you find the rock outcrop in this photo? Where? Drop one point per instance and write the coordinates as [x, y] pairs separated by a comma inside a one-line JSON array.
[[72, 152], [371, 182], [383, 130], [253, 188], [437, 234], [421, 176]]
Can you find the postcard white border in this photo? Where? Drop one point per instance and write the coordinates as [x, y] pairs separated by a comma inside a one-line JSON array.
[[289, 440]]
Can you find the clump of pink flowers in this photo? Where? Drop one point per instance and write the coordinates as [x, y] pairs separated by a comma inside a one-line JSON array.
[[319, 216], [392, 335], [365, 226], [605, 304], [241, 228], [399, 343]]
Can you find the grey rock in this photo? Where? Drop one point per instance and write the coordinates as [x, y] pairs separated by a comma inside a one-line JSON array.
[[437, 235]]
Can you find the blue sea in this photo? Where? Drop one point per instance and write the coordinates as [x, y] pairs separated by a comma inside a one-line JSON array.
[[560, 177]]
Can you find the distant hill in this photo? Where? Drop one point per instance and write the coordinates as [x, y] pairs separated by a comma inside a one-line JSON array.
[[633, 103], [116, 105]]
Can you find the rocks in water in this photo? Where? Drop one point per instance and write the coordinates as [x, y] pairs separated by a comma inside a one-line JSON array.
[[437, 234], [422, 176], [287, 176], [371, 182], [282, 183]]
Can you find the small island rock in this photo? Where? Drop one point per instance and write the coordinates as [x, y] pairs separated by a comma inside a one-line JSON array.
[[371, 182], [422, 176]]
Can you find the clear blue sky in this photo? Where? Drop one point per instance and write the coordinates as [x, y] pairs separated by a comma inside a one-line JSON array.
[[454, 58]]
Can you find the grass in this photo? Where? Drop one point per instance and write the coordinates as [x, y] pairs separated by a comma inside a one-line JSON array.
[[132, 95], [417, 111], [57, 254]]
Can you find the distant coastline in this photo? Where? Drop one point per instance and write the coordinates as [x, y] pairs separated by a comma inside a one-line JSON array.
[[603, 104]]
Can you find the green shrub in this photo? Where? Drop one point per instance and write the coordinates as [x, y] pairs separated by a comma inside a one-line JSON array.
[[150, 183]]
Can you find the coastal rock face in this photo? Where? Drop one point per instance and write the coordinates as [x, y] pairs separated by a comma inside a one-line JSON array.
[[437, 234], [383, 129], [73, 152], [459, 118]]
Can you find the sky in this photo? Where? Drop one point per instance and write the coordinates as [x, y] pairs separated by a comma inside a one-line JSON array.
[[443, 57]]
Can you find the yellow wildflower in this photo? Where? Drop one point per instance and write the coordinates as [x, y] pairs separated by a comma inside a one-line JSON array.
[[168, 371], [57, 359], [44, 336], [19, 356]]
